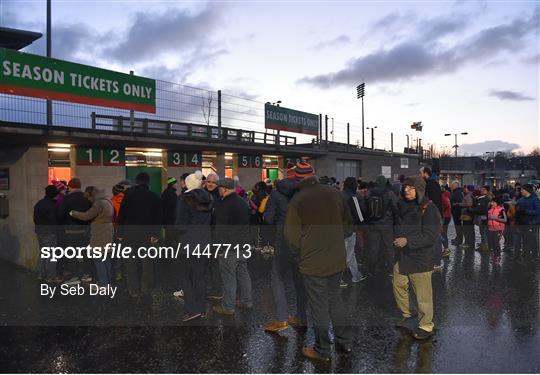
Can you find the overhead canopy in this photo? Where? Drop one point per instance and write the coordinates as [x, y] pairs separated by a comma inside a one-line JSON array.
[[17, 39]]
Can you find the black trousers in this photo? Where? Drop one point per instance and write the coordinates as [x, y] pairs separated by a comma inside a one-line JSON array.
[[468, 232], [494, 238], [444, 233], [380, 244], [530, 239], [139, 272], [458, 225], [326, 305], [194, 285]]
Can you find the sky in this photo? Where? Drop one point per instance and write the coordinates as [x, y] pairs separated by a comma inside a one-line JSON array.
[[457, 66]]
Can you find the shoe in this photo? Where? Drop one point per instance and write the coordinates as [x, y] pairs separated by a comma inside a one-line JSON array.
[[361, 277], [311, 353], [407, 323], [295, 321], [86, 278], [216, 297], [446, 253], [243, 305], [390, 274], [343, 349], [188, 317], [73, 281], [276, 326], [222, 310], [179, 294], [118, 276], [437, 267], [421, 334], [343, 284]]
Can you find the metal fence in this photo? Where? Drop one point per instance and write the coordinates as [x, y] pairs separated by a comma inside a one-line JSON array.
[[181, 104]]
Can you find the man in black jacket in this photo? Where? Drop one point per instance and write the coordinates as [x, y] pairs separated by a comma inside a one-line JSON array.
[[169, 200], [139, 224], [232, 227], [455, 200], [46, 230], [416, 235], [75, 231], [480, 211], [381, 215]]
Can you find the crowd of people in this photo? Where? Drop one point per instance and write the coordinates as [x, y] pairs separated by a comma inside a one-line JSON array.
[[312, 227]]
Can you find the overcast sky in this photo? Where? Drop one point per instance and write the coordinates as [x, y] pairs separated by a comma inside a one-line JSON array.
[[456, 66]]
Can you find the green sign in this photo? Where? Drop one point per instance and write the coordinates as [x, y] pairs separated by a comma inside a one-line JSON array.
[[114, 157], [250, 161], [280, 118], [88, 156], [184, 159], [42, 77]]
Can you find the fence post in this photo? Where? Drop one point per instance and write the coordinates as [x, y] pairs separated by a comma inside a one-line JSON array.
[[326, 128], [348, 134], [93, 120], [145, 125], [391, 142], [219, 113], [319, 138], [132, 113], [169, 128]]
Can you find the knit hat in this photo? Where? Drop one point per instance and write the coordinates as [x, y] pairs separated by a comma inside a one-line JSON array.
[[303, 170], [419, 184], [59, 186], [528, 187], [227, 183], [350, 183], [290, 170], [194, 181], [171, 181], [118, 188], [74, 183], [51, 191]]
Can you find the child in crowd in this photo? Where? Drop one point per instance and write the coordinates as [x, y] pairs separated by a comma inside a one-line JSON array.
[[496, 222]]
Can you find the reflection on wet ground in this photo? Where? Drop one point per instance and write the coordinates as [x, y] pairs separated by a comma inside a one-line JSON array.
[[486, 316]]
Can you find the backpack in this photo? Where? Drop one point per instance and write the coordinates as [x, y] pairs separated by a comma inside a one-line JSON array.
[[375, 207]]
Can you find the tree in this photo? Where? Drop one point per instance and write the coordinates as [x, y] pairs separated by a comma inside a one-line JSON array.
[[535, 152], [207, 107]]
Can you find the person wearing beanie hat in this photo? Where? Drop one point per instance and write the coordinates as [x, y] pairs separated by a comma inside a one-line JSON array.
[[182, 182], [139, 224], [193, 223], [316, 224], [528, 217], [45, 226], [415, 238], [303, 170], [75, 231], [61, 189]]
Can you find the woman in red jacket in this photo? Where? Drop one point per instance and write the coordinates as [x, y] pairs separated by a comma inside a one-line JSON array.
[[496, 222]]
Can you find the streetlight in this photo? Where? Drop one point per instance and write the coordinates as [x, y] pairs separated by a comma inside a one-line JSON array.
[[455, 146], [360, 91], [372, 136]]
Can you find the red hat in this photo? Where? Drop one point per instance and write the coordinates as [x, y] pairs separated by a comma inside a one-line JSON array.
[[290, 170]]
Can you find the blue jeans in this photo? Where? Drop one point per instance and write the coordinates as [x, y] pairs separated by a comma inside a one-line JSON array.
[[103, 270], [279, 274], [46, 268], [352, 265], [234, 273]]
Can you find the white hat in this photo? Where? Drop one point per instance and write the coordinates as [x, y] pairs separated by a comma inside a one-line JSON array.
[[194, 181]]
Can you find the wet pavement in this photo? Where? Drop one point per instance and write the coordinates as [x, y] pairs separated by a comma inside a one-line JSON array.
[[486, 316]]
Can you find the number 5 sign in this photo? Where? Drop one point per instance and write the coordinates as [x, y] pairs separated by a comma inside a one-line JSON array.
[[114, 157], [249, 161]]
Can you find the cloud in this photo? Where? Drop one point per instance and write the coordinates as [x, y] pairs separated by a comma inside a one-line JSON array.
[[152, 34], [337, 41], [534, 60], [481, 148], [419, 57], [510, 95]]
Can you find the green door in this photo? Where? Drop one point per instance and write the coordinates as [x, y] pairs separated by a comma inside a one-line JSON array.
[[153, 172], [272, 173]]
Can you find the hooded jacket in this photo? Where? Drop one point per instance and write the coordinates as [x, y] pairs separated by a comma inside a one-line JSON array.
[[101, 216], [420, 224], [528, 210], [456, 197], [45, 216], [389, 203], [193, 217], [315, 228], [276, 207], [73, 201], [232, 221], [434, 194]]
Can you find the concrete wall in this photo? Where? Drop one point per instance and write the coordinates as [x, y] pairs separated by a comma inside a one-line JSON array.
[[28, 178], [371, 164]]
